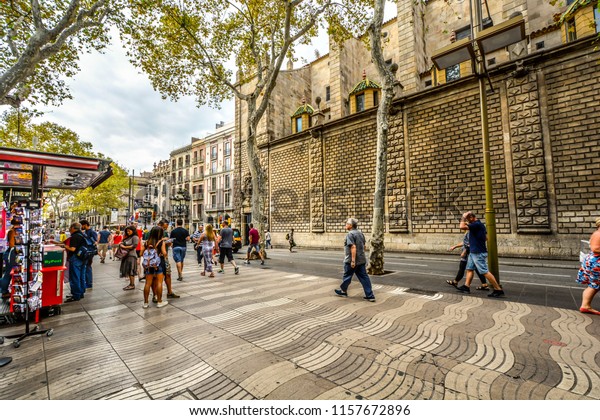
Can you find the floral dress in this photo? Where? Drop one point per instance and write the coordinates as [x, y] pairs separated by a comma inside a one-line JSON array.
[[589, 273]]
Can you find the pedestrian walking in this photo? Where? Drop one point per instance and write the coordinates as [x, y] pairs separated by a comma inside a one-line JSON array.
[[290, 238], [226, 248], [152, 249], [180, 236], [478, 254], [129, 264], [254, 237], [589, 273], [268, 240], [164, 261], [93, 235], [464, 257], [197, 245], [355, 261], [207, 242], [104, 239]]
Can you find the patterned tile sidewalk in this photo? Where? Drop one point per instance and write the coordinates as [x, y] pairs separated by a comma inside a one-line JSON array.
[[266, 334]]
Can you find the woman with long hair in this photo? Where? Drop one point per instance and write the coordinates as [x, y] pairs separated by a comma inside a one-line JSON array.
[[207, 239], [154, 274], [589, 273], [129, 263]]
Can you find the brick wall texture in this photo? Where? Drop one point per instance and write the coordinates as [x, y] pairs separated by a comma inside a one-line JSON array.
[[544, 131]]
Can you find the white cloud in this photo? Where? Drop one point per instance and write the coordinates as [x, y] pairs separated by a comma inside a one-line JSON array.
[[115, 107]]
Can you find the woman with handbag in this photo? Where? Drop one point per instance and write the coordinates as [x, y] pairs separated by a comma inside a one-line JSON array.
[[129, 263]]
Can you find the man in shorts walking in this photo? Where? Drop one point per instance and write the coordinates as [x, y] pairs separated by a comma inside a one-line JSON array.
[[104, 238], [254, 237], [180, 236], [226, 247], [478, 256]]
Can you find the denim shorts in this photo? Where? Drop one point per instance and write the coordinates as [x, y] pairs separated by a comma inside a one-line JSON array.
[[178, 254], [255, 246], [479, 261]]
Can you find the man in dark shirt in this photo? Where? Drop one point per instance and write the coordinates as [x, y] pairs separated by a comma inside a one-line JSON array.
[[226, 247], [180, 236], [478, 256], [77, 266], [93, 235]]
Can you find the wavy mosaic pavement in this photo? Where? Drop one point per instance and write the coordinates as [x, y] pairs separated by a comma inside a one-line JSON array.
[[266, 334]]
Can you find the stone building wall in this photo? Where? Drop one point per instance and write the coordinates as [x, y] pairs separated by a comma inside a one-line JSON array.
[[574, 129], [544, 142], [445, 155], [289, 200], [349, 167]]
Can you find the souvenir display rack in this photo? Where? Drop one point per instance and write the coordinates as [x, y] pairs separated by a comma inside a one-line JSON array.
[[26, 281]]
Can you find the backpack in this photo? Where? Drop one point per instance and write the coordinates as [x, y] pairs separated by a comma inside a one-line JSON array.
[[287, 237], [87, 250], [150, 258]]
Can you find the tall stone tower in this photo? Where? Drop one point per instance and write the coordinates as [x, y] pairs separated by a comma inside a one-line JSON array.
[[411, 44]]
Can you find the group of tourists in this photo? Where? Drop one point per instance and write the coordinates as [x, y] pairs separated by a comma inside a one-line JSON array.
[[148, 259]]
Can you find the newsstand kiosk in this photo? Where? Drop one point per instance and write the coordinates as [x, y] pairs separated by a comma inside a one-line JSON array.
[[38, 270]]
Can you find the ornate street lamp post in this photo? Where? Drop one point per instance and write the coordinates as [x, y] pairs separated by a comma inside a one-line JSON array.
[[483, 42], [181, 205]]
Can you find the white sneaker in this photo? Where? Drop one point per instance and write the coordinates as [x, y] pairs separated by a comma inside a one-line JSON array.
[[145, 306], [161, 304]]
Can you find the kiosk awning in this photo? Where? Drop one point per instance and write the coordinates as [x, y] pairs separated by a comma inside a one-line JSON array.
[[19, 168]]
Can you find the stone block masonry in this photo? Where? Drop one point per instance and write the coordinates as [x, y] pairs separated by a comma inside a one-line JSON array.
[[544, 130]]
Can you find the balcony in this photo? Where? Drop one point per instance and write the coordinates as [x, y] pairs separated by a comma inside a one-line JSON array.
[[198, 177], [198, 196]]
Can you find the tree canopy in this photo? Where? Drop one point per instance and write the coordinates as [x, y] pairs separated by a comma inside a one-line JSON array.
[[188, 47], [40, 44], [18, 131]]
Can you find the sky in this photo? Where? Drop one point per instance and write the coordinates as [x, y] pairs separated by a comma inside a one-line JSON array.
[[116, 109]]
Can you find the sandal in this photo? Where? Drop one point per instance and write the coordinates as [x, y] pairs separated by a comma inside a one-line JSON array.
[[452, 283], [212, 275], [202, 273], [129, 287], [483, 287], [589, 311]]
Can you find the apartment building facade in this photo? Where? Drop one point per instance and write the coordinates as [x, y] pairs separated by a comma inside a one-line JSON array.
[[197, 180], [181, 181], [218, 173], [160, 188]]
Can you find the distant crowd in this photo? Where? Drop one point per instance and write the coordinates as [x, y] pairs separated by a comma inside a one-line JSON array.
[[143, 255]]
